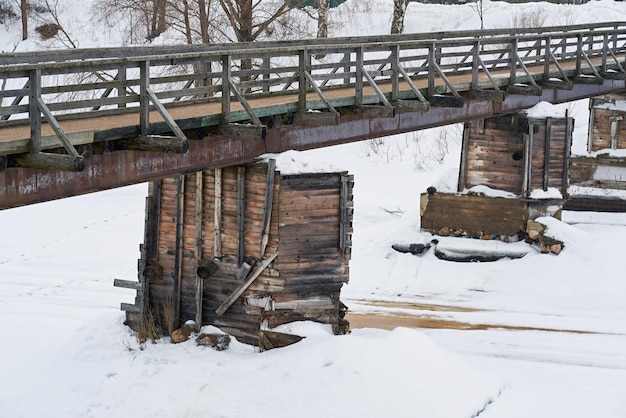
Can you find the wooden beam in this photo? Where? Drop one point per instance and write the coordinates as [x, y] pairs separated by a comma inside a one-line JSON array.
[[242, 287], [446, 101], [241, 212], [217, 215], [127, 307], [199, 211], [316, 118], [48, 161], [546, 154], [178, 250], [155, 143], [127, 284], [267, 210], [484, 95], [237, 130]]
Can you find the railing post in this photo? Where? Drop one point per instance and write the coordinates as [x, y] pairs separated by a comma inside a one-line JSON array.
[[225, 88], [431, 70], [358, 86], [144, 100], [579, 54], [121, 91], [513, 59], [605, 47], [33, 110], [546, 59], [395, 73], [266, 74], [303, 67], [475, 60], [346, 69]]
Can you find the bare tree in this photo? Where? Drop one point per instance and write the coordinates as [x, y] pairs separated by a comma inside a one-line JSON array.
[[479, 7], [399, 10]]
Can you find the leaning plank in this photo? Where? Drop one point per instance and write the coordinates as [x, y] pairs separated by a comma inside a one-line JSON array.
[[272, 339], [242, 287]]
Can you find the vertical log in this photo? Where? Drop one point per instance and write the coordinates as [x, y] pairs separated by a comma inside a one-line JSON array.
[[591, 126], [144, 100], [198, 250], [217, 215], [546, 159], [569, 128], [464, 150], [343, 214], [178, 260], [33, 110], [121, 91], [528, 147], [267, 210], [241, 212]]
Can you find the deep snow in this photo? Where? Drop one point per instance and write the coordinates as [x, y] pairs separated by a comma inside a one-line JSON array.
[[66, 353]]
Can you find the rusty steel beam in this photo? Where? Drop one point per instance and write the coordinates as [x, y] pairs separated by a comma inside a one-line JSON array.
[[24, 186]]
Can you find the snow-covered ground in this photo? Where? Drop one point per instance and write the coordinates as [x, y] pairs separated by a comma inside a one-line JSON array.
[[560, 351]]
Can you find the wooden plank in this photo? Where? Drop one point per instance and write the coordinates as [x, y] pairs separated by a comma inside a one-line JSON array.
[[199, 209], [269, 197], [127, 307], [242, 288], [241, 212], [595, 204], [127, 284], [178, 247]]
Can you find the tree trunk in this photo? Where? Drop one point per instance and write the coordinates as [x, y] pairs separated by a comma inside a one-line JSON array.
[[24, 11], [322, 22], [188, 34], [322, 19], [397, 23], [203, 14]]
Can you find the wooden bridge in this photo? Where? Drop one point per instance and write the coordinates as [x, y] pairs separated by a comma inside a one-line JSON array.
[[84, 120]]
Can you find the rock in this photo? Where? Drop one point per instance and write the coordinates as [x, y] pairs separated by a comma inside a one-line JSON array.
[[181, 334], [444, 232], [218, 341], [415, 249]]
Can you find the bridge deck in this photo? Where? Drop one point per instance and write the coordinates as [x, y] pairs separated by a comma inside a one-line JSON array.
[[220, 92], [16, 139]]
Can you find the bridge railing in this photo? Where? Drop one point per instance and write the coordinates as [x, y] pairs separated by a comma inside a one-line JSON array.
[[413, 71]]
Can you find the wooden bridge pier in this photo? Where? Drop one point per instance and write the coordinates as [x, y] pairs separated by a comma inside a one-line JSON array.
[[244, 248]]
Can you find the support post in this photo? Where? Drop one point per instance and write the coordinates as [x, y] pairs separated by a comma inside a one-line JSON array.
[[241, 213], [217, 216], [546, 156], [144, 100], [178, 257], [199, 210], [33, 110], [225, 89]]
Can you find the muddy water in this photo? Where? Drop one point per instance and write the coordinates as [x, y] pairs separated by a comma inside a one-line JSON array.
[[390, 320]]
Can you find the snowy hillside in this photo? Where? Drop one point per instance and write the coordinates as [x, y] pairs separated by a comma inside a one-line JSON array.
[[550, 331]]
